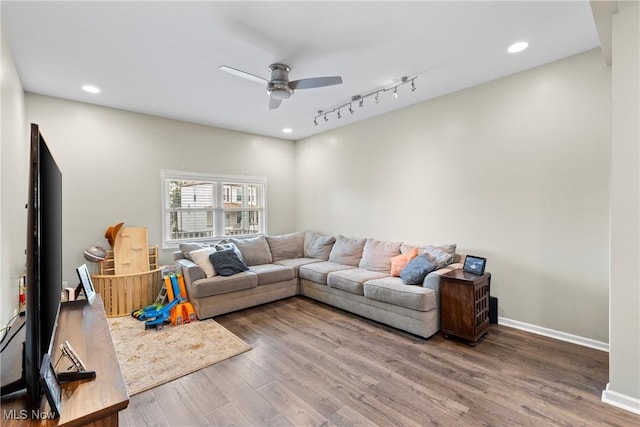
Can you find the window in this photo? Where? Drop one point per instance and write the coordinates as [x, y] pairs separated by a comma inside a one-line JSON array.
[[205, 207]]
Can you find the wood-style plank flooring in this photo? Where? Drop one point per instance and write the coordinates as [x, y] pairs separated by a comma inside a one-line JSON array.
[[312, 364]]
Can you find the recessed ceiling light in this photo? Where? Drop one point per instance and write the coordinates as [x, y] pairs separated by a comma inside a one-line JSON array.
[[287, 130], [518, 47], [90, 89]]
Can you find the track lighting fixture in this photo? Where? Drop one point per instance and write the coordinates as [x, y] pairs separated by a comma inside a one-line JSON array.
[[360, 98]]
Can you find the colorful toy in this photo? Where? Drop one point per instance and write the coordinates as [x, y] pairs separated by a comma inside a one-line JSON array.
[[184, 312], [141, 311], [158, 318], [177, 312]]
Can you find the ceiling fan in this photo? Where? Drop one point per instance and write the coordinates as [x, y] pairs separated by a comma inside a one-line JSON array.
[[279, 87]]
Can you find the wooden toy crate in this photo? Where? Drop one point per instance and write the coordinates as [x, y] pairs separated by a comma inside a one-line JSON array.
[[122, 294]]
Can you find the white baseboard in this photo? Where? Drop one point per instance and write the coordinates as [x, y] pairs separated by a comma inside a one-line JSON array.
[[610, 397], [551, 333], [621, 401]]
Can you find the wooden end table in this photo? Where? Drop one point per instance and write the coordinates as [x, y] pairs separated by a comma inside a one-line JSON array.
[[464, 305]]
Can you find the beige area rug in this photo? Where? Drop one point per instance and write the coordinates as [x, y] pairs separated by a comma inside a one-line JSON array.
[[150, 358]]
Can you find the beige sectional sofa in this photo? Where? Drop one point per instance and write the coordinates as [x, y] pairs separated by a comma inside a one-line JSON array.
[[352, 274]]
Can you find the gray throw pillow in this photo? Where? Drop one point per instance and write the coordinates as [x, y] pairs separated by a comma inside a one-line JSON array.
[[227, 263], [416, 270], [225, 246], [441, 256]]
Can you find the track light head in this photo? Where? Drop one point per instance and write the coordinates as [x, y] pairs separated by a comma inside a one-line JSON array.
[[315, 121], [348, 105]]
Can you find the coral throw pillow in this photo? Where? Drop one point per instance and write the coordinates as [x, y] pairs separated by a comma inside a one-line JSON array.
[[398, 262]]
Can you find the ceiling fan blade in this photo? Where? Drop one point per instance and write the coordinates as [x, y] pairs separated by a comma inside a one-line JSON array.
[[315, 82], [274, 103], [243, 74]]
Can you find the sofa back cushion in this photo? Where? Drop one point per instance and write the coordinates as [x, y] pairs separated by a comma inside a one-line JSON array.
[[188, 247], [255, 251], [376, 255], [286, 246], [317, 245], [347, 251]]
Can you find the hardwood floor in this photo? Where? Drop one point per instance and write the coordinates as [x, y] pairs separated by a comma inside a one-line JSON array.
[[312, 364]]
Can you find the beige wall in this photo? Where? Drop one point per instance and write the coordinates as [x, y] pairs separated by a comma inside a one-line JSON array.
[[516, 170], [624, 362], [111, 161], [14, 152]]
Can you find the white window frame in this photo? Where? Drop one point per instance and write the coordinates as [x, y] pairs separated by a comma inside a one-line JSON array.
[[218, 209]]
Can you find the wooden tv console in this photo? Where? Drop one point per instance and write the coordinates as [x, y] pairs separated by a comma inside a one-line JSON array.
[[94, 402]]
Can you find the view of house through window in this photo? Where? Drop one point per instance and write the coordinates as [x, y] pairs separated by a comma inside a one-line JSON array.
[[202, 207]]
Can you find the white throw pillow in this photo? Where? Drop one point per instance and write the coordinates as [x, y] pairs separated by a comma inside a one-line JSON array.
[[201, 257]]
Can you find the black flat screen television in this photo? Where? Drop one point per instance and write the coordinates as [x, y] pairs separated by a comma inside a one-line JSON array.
[[44, 266]]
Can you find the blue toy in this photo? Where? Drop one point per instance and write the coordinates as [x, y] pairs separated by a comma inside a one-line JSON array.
[[157, 317]]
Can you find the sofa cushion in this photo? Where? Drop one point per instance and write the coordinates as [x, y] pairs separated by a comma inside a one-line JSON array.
[[376, 255], [398, 262], [317, 245], [391, 290], [272, 273], [221, 285], [201, 257], [441, 256], [188, 247], [351, 280], [347, 251], [255, 250], [317, 272], [227, 263], [416, 270], [286, 246], [296, 263]]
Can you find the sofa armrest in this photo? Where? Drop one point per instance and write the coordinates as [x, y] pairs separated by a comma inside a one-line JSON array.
[[432, 281], [178, 255], [190, 270]]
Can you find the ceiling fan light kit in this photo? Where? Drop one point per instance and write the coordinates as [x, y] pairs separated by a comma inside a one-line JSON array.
[[360, 98], [279, 87]]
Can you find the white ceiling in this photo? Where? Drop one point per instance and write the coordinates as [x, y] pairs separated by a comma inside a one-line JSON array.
[[162, 58]]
